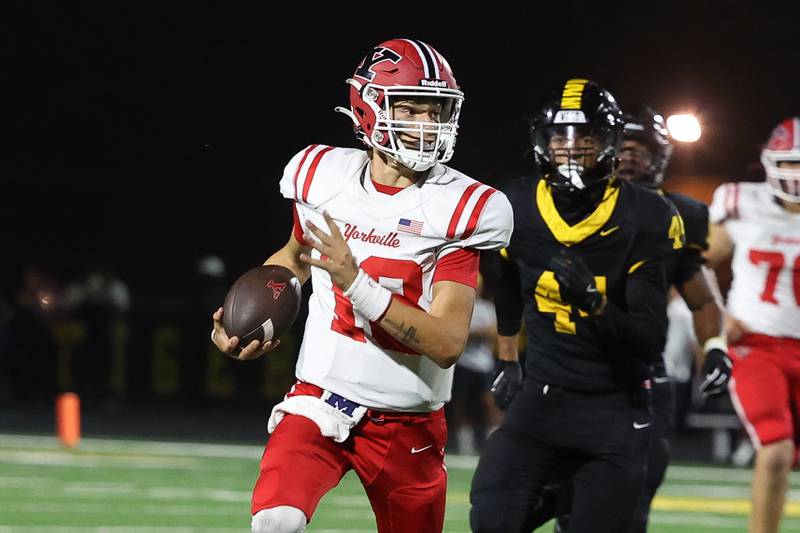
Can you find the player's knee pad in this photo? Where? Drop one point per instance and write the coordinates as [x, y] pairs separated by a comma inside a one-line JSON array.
[[281, 519]]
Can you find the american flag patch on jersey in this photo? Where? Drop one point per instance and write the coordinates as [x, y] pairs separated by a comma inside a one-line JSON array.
[[410, 226]]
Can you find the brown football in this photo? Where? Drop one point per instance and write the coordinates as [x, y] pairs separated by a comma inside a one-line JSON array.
[[262, 304]]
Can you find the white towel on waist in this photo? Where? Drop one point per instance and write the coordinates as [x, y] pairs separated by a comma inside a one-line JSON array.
[[331, 421]]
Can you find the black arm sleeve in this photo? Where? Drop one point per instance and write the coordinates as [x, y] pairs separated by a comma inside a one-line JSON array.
[[642, 329], [688, 262], [502, 280]]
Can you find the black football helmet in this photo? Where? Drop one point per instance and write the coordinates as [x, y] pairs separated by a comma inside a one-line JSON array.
[[576, 136], [647, 127]]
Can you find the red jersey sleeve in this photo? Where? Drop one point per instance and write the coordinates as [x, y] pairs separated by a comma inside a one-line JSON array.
[[460, 266]]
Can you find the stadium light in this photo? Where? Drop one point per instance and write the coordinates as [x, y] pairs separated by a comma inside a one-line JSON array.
[[684, 128]]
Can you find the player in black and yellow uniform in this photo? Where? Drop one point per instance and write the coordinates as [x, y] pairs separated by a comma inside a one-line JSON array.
[[644, 156], [586, 268]]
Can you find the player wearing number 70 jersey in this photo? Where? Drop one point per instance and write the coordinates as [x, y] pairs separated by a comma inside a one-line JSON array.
[[759, 225], [390, 238]]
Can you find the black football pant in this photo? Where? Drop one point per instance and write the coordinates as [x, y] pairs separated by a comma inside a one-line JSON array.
[[658, 458], [600, 441], [557, 497]]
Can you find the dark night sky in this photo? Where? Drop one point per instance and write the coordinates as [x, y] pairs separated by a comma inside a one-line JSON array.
[[139, 132]]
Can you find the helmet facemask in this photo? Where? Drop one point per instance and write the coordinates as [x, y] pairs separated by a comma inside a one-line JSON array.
[[784, 181], [647, 169], [642, 163], [417, 145], [575, 156]]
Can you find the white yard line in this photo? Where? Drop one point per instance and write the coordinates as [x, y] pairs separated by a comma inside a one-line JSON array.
[[312, 529], [682, 490], [56, 458], [358, 501], [181, 449], [103, 489], [85, 491], [713, 474], [714, 491], [196, 493], [708, 521], [117, 529], [713, 521], [130, 509], [16, 482]]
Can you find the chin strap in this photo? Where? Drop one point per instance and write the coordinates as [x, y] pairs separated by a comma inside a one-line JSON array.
[[572, 170], [345, 111], [360, 135]]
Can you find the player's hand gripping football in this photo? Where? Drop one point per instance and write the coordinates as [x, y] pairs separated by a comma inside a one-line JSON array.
[[716, 373], [336, 256], [506, 383], [230, 345], [576, 282]]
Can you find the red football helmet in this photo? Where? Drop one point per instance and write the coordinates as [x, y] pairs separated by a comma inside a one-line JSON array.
[[405, 69], [783, 146]]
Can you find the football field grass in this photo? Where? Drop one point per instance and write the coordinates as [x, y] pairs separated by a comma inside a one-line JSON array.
[[117, 486]]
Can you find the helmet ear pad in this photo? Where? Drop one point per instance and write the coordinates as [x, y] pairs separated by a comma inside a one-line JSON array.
[[366, 103]]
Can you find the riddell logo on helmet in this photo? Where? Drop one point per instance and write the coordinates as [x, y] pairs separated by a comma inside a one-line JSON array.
[[442, 84]]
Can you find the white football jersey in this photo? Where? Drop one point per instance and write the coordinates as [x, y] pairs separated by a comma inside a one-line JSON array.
[[397, 239], [765, 292]]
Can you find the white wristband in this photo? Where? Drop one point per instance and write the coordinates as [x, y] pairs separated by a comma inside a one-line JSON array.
[[716, 342], [368, 297]]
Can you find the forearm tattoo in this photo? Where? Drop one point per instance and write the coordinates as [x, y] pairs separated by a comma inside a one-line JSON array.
[[406, 334], [410, 334]]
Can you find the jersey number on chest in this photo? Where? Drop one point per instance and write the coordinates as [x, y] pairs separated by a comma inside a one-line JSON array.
[[548, 300], [775, 262]]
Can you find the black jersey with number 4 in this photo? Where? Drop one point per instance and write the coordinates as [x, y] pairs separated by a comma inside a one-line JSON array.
[[630, 233], [688, 260]]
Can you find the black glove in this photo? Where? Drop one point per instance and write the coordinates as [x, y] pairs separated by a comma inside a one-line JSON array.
[[716, 373], [506, 383], [575, 281]]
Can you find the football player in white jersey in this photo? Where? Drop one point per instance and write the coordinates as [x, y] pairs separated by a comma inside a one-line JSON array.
[[759, 225], [390, 238]]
